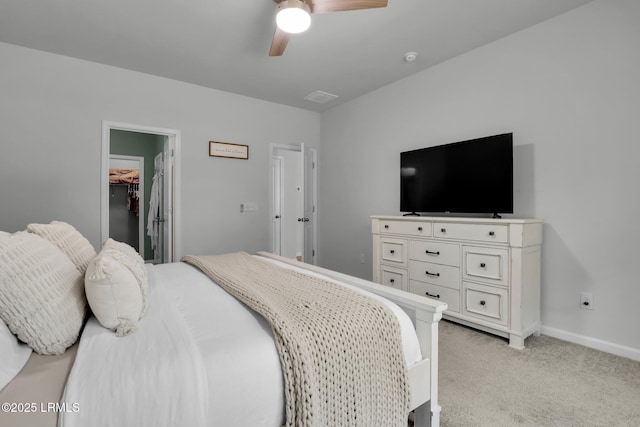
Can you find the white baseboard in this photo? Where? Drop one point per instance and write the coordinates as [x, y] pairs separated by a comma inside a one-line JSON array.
[[609, 347]]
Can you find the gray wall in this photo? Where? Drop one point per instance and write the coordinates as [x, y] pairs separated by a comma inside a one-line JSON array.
[[51, 113], [569, 90]]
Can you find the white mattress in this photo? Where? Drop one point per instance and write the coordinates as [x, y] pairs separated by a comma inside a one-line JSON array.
[[234, 345]]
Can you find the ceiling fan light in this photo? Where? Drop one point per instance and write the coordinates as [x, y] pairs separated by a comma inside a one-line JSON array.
[[293, 16]]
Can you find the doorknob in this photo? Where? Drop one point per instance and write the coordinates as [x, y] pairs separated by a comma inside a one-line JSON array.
[[277, 216], [306, 220], [300, 219]]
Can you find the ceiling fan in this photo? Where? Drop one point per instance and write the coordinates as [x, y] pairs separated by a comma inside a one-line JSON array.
[[297, 14]]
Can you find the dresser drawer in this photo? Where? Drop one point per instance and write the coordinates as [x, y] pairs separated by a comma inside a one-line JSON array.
[[395, 278], [498, 233], [440, 293], [486, 264], [436, 252], [485, 302], [393, 251], [410, 228], [438, 274]]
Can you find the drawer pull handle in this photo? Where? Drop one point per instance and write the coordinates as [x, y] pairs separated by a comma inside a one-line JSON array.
[[392, 251], [386, 226], [432, 253], [432, 296], [443, 230], [483, 265], [491, 233], [392, 280], [419, 228], [432, 274], [483, 302]]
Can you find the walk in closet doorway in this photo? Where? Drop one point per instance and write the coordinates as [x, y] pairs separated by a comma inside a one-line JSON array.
[[141, 211], [127, 200]]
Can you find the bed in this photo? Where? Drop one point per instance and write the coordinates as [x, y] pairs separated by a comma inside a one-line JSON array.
[[197, 356]]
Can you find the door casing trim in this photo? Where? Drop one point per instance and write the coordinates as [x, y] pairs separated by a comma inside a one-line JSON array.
[[174, 141]]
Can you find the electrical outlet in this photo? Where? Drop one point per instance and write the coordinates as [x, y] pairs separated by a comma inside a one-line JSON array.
[[586, 300]]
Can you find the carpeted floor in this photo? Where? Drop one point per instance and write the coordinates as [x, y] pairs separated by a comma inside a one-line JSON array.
[[484, 382]]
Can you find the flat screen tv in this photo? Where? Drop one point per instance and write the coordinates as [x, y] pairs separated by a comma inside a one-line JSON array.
[[474, 177]]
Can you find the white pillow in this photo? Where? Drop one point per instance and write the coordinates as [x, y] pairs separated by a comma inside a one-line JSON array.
[[14, 355], [41, 293], [4, 233], [113, 293], [69, 240], [131, 259]]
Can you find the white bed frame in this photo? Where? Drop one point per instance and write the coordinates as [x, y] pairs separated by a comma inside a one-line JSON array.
[[425, 314]]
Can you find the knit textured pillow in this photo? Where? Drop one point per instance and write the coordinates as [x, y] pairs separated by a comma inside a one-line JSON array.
[[113, 293], [42, 297], [69, 240], [131, 259]]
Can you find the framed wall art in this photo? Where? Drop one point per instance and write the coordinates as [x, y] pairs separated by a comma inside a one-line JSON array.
[[226, 149]]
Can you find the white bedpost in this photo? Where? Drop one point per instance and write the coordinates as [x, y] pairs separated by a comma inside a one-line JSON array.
[[426, 324]]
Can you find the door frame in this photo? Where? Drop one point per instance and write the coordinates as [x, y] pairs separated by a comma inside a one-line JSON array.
[[141, 211], [174, 145], [272, 154]]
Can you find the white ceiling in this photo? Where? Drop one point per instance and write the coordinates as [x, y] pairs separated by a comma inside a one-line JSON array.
[[224, 44]]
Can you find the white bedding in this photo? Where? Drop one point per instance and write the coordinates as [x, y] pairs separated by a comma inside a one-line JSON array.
[[232, 374], [14, 355], [153, 377]]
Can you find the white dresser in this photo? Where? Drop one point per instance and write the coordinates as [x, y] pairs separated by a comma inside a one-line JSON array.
[[486, 270]]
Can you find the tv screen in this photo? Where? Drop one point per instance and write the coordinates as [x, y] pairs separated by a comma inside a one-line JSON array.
[[474, 176]]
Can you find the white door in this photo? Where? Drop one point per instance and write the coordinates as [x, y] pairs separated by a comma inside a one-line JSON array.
[[154, 222], [276, 212], [308, 199], [160, 228], [167, 211]]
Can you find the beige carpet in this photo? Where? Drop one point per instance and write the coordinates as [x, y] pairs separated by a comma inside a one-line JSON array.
[[483, 382]]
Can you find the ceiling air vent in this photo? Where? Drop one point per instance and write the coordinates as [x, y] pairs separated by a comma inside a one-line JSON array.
[[320, 97]]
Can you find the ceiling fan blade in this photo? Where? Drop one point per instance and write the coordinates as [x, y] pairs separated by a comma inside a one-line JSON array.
[[279, 42], [325, 6]]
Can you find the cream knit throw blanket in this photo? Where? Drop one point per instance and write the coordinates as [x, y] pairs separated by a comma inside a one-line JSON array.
[[341, 352]]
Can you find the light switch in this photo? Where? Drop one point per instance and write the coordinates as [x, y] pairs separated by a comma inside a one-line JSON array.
[[248, 207]]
